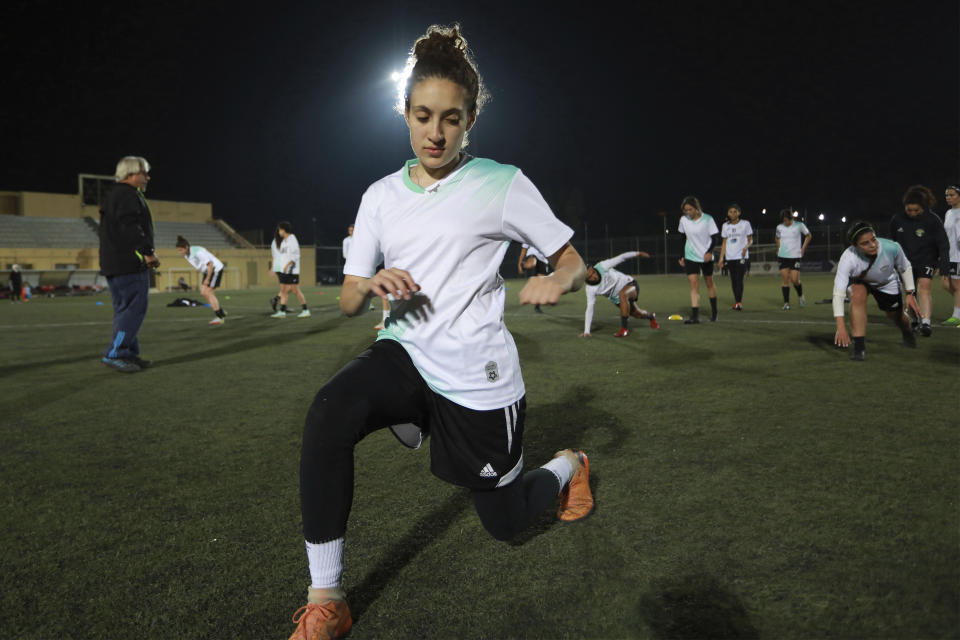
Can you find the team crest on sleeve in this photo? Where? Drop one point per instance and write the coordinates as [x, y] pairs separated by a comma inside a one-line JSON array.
[[493, 373]]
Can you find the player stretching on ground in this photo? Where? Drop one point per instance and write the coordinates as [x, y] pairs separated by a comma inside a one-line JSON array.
[[874, 265], [603, 280], [445, 360]]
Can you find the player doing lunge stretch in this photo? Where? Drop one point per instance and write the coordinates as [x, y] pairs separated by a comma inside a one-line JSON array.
[[211, 271], [877, 266], [603, 280], [445, 361]]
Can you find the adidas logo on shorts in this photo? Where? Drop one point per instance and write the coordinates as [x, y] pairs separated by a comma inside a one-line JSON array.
[[488, 472]]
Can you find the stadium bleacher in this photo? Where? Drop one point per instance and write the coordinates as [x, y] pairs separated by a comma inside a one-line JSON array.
[[54, 233], [203, 234]]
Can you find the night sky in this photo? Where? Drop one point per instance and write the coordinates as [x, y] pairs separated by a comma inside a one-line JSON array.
[[285, 112]]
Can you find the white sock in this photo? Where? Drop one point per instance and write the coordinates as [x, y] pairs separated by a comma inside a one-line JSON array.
[[326, 563], [561, 468], [386, 314], [925, 320], [956, 312]]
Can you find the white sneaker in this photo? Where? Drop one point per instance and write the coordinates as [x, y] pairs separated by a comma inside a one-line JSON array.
[[378, 327], [786, 306], [304, 314], [279, 314], [216, 321], [803, 301]]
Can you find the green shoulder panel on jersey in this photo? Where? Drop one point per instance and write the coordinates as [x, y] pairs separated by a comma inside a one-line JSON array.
[[889, 248], [494, 176], [405, 174]]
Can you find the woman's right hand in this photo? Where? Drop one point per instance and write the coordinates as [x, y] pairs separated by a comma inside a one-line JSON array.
[[842, 338]]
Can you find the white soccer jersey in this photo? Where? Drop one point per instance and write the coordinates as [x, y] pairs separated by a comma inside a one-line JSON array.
[[883, 274], [698, 234], [610, 285], [288, 250], [275, 265], [790, 239], [451, 237], [951, 224], [346, 246], [199, 257], [532, 251], [737, 236]]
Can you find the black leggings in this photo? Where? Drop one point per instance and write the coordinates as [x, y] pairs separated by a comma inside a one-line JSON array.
[[380, 388], [737, 271]]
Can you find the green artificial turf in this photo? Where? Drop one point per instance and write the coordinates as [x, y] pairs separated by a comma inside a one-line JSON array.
[[750, 480]]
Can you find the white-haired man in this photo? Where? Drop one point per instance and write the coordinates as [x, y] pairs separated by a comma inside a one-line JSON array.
[[126, 255]]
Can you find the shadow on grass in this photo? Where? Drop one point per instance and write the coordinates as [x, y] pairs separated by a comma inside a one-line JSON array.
[[17, 369], [695, 606], [823, 341], [564, 424], [264, 339], [406, 549]]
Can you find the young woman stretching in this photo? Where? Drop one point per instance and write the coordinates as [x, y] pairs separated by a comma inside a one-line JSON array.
[[211, 270], [445, 360]]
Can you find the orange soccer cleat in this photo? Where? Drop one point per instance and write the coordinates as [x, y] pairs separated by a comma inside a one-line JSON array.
[[576, 499], [325, 621], [622, 333]]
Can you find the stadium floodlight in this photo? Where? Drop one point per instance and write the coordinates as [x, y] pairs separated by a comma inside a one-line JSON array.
[[820, 217], [843, 219], [764, 212], [399, 79], [796, 214]]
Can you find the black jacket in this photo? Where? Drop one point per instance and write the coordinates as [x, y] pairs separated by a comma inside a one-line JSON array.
[[923, 239], [126, 231]]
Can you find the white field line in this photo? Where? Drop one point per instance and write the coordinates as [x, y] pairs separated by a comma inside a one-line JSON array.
[[512, 314]]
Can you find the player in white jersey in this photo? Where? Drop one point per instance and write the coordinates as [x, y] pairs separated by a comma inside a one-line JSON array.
[[792, 239], [445, 360], [951, 224], [603, 280], [348, 242], [737, 237], [876, 266], [211, 270], [702, 236], [530, 263], [286, 265]]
